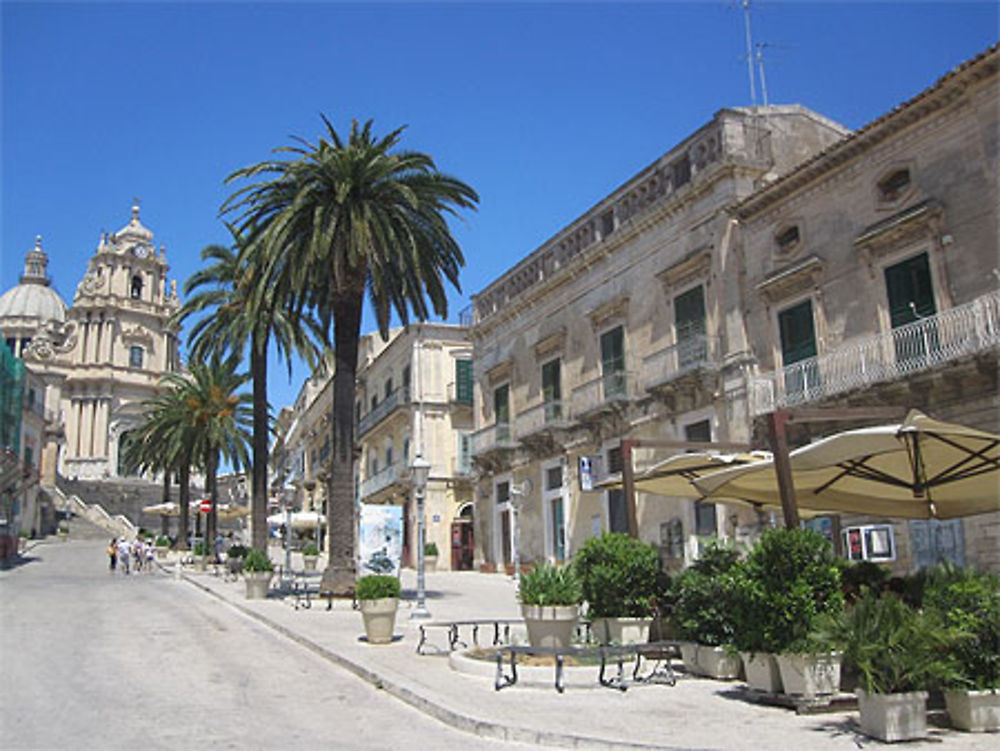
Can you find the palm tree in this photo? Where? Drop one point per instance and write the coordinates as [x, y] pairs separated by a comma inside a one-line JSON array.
[[220, 419], [337, 220], [164, 441], [224, 287]]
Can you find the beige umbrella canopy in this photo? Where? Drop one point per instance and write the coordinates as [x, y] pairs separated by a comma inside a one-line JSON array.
[[919, 469], [674, 476], [172, 508]]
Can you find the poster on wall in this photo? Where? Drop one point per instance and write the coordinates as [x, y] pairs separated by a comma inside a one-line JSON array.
[[380, 539]]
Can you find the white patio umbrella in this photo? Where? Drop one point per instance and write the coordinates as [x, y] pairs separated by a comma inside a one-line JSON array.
[[301, 520], [919, 469], [222, 510], [675, 475]]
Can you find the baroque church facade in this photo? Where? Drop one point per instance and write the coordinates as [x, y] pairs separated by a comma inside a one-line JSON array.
[[100, 357]]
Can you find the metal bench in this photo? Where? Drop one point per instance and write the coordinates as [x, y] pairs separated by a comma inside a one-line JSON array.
[[661, 652], [501, 631]]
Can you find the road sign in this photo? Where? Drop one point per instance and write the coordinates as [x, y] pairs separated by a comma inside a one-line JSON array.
[[206, 506]]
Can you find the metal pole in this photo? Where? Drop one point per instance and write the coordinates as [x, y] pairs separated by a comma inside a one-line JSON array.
[[288, 545], [782, 467], [516, 519], [420, 611]]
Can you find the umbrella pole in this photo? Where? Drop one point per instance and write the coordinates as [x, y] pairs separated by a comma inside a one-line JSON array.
[[776, 422]]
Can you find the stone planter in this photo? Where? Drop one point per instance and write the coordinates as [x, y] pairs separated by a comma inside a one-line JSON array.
[[893, 717], [161, 552], [309, 562], [200, 562], [718, 663], [621, 630], [380, 618], [430, 562], [810, 675], [257, 584], [689, 654], [762, 672], [550, 625], [976, 711]]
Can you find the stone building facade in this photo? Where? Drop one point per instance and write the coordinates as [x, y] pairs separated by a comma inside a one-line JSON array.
[[615, 328], [101, 357], [871, 276]]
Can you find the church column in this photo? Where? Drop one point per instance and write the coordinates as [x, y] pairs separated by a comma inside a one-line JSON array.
[[101, 428], [111, 342], [91, 421], [78, 427]]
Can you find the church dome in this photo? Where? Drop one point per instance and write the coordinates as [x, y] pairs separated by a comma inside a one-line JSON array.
[[33, 297]]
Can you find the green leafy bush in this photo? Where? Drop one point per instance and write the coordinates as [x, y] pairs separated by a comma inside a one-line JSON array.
[[618, 575], [377, 586], [236, 551], [257, 560], [200, 548], [430, 548], [703, 597], [310, 549], [162, 541], [855, 578], [968, 601], [546, 584], [789, 579], [893, 647]]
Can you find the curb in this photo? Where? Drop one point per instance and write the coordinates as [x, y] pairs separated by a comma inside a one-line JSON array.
[[431, 708]]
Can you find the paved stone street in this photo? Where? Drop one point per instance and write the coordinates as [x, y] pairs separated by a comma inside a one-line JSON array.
[[97, 661], [92, 660]]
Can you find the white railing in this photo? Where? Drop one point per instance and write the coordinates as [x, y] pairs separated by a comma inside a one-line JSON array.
[[670, 363], [491, 438], [919, 346], [550, 414], [383, 479], [614, 387], [400, 396]]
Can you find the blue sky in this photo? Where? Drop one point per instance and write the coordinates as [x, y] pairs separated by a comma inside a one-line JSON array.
[[543, 108]]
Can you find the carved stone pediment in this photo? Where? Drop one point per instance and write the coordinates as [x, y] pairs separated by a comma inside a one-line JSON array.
[[694, 265], [792, 280], [551, 343], [136, 334], [912, 224], [500, 372], [608, 311]]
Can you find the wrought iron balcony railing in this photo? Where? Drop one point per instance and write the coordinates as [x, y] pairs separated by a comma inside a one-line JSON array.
[[919, 346], [396, 472], [670, 363], [398, 398], [612, 388], [549, 415], [492, 438]]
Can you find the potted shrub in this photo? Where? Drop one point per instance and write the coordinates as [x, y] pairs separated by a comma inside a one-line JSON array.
[[200, 554], [899, 653], [790, 579], [161, 544], [430, 556], [703, 613], [378, 599], [550, 604], [618, 578], [969, 602], [257, 572], [310, 554]]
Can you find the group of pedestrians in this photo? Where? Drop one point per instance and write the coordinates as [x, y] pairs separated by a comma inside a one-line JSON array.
[[130, 556]]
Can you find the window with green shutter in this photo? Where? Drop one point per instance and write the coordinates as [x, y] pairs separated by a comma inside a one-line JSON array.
[[613, 362], [911, 299], [689, 322], [463, 381], [552, 390], [798, 343]]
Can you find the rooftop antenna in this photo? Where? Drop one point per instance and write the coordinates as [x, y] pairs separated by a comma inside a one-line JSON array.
[[745, 4], [760, 66]]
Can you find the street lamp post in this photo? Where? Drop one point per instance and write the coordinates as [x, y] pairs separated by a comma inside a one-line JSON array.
[[419, 470]]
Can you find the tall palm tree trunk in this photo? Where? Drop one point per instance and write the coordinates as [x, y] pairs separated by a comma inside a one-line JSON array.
[[339, 576], [184, 499], [258, 500], [211, 523]]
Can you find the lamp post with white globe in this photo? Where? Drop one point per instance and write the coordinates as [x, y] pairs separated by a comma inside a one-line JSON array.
[[420, 468]]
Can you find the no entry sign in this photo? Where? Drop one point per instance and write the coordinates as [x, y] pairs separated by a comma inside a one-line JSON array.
[[206, 506]]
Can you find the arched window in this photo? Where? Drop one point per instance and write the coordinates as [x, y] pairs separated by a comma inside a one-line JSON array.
[[136, 291]]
